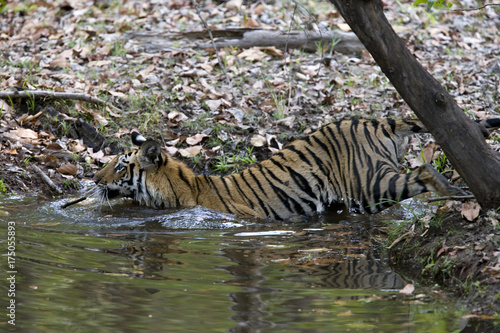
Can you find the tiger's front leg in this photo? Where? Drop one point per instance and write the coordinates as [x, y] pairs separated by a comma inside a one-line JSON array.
[[404, 186]]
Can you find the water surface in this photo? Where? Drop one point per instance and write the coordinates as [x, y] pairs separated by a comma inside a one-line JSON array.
[[89, 268]]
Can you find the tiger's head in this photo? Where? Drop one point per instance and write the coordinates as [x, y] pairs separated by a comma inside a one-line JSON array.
[[127, 174]]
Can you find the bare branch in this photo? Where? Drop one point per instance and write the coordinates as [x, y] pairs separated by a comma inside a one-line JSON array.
[[452, 197], [57, 95], [476, 8], [46, 179]]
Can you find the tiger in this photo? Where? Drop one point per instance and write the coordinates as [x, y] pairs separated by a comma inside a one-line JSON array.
[[354, 162]]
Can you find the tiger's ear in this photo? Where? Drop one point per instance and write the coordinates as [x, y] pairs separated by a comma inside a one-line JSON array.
[[137, 138], [149, 154]]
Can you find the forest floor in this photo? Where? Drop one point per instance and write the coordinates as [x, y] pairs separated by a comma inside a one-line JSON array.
[[221, 111]]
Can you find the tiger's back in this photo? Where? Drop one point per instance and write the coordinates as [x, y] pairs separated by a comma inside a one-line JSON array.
[[355, 162]]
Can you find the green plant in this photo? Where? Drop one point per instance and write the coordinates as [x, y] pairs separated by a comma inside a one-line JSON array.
[[196, 159], [26, 161], [223, 164], [440, 4], [231, 163], [70, 183], [65, 127], [30, 102], [118, 49], [3, 187], [441, 163]]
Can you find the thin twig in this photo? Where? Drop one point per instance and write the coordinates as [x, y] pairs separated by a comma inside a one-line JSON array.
[[58, 95], [476, 8], [72, 202], [221, 65], [46, 179], [290, 72], [400, 238], [452, 197]]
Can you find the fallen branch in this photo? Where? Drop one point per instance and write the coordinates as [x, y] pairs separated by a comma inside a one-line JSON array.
[[307, 40], [475, 8], [57, 95], [46, 179], [452, 197], [346, 42]]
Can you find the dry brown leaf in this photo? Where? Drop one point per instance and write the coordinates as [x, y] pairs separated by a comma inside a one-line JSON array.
[[191, 151], [251, 23], [99, 63], [344, 27], [234, 4], [407, 290], [495, 271], [75, 147], [96, 156], [5, 107], [258, 140], [470, 210], [54, 146], [172, 150], [68, 169], [213, 105], [98, 117], [22, 133], [492, 220], [48, 160], [145, 72], [59, 62], [118, 94], [177, 116], [441, 250], [259, 9], [26, 117], [195, 139], [310, 70], [253, 54]]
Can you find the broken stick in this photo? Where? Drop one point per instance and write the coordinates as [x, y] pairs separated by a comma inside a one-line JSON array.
[[46, 179], [58, 95], [72, 202]]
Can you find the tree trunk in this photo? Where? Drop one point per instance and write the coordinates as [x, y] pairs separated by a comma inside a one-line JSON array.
[[460, 138]]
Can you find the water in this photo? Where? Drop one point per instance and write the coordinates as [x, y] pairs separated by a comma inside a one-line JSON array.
[[133, 269]]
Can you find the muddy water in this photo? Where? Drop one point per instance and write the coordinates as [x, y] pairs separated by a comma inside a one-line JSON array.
[[131, 269]]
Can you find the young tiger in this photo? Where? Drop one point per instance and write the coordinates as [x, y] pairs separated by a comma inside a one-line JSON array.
[[355, 162]]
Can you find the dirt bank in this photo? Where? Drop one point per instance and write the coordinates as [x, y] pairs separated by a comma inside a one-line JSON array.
[[460, 255]]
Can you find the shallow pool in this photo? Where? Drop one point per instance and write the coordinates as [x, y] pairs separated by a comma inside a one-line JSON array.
[[89, 268]]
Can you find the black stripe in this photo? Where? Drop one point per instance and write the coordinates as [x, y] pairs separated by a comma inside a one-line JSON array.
[[210, 181], [131, 171], [182, 176], [392, 123], [414, 127], [336, 182], [321, 166], [301, 155], [302, 183], [342, 174], [231, 202], [243, 195], [285, 198], [265, 207]]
